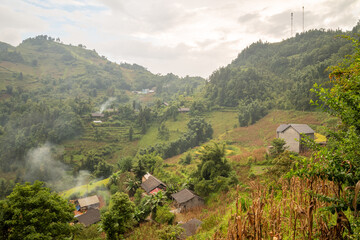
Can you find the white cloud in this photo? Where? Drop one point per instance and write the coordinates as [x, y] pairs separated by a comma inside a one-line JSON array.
[[185, 37]]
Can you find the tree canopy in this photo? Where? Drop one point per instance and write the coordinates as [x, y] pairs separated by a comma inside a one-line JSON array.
[[34, 212], [120, 216]]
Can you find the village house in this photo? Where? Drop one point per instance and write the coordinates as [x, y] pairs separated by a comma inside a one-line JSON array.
[[186, 199], [90, 217], [83, 204], [151, 184], [292, 134], [97, 115], [183, 110]]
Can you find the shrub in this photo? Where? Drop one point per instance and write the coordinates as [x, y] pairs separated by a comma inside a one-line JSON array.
[[163, 215]]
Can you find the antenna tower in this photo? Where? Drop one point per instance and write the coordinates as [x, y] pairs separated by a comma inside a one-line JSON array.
[[303, 20], [292, 15]]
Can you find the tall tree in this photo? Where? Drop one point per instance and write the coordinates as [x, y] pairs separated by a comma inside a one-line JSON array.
[[34, 212], [120, 216]]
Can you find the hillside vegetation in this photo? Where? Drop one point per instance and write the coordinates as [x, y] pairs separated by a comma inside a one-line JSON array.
[[211, 137], [280, 75]]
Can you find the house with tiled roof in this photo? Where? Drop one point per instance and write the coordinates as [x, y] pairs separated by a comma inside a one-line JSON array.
[[90, 217], [152, 185], [186, 199]]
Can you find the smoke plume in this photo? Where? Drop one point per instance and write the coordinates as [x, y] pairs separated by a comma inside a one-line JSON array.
[[41, 165], [106, 104]]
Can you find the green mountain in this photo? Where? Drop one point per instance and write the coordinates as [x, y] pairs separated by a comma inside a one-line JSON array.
[[279, 75], [64, 69]]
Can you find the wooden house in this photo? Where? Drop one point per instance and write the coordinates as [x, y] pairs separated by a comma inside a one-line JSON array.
[[292, 134], [186, 199], [97, 115], [152, 185], [183, 110], [90, 217]]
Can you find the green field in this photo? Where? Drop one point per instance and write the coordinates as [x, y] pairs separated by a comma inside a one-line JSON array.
[[83, 189]]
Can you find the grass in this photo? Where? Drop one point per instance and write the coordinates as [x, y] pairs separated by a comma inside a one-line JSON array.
[[83, 189], [258, 169]]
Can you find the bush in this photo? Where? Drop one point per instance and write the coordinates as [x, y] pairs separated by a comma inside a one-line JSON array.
[[125, 164], [138, 196], [170, 232], [163, 215]]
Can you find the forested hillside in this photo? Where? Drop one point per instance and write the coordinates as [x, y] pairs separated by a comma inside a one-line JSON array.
[[70, 117], [48, 90], [279, 75]]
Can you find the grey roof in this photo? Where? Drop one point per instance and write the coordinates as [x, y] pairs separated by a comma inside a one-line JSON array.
[[151, 183], [97, 115], [90, 217], [300, 128], [183, 196], [190, 227], [282, 127]]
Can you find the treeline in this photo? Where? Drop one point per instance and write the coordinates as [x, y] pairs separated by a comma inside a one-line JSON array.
[[25, 124], [279, 75]]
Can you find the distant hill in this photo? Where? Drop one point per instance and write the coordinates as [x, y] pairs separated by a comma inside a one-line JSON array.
[[45, 61], [48, 90], [279, 75]]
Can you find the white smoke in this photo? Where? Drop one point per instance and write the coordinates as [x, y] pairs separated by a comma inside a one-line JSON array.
[[106, 104], [82, 178], [41, 165]]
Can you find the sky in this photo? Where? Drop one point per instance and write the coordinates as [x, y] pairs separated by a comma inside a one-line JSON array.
[[187, 37]]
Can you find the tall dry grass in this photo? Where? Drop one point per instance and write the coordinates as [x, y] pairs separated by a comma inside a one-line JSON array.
[[291, 213]]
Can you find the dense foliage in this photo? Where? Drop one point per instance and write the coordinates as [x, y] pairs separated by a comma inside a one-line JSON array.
[[120, 216], [339, 162], [214, 171], [277, 75], [33, 212]]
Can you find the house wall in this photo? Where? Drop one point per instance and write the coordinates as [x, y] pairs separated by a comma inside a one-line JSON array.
[[194, 202], [291, 138]]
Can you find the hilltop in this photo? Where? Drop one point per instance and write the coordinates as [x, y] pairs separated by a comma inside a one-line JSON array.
[[63, 69]]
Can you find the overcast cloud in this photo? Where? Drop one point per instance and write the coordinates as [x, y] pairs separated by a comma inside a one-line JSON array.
[[188, 37]]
